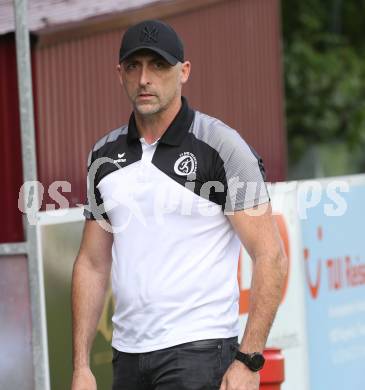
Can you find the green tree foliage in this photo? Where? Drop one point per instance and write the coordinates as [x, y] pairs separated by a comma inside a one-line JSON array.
[[324, 63]]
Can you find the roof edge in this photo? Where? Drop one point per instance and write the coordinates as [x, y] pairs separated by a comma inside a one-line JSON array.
[[159, 9]]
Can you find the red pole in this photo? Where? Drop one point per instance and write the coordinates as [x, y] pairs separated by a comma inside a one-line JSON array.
[[272, 375]]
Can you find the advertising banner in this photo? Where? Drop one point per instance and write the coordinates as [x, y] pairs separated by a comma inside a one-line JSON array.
[[334, 267]]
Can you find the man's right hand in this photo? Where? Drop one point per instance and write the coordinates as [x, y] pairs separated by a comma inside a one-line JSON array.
[[83, 379]]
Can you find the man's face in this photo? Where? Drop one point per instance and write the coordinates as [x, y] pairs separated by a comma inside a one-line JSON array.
[[150, 82]]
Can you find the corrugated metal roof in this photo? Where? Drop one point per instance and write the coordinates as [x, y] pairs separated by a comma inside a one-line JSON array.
[[50, 13]]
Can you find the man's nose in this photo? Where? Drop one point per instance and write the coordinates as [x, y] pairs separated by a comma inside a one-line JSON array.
[[144, 76]]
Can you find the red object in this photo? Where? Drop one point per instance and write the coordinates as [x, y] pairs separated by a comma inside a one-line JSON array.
[[272, 375], [11, 174]]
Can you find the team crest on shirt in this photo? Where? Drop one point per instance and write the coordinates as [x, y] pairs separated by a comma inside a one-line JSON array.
[[185, 164]]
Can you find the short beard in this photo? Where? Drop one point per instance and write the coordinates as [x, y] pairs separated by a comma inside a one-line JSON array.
[[161, 106], [143, 110]]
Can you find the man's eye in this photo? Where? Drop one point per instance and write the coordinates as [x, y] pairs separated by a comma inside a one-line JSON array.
[[130, 66], [160, 64]]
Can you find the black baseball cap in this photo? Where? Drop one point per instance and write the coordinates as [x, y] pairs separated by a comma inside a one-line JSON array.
[[153, 35]]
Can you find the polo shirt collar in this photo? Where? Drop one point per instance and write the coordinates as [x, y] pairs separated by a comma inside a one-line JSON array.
[[177, 130]]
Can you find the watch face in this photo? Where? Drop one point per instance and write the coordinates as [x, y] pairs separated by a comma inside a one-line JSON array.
[[257, 361]]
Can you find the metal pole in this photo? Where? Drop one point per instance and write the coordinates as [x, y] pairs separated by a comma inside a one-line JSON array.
[[35, 267]]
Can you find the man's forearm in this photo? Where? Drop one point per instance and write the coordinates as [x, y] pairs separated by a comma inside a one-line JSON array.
[[88, 294], [266, 290]]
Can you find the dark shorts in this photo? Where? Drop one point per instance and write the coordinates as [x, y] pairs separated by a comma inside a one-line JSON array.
[[197, 365]]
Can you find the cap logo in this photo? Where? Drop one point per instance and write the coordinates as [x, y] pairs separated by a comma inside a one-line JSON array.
[[149, 35]]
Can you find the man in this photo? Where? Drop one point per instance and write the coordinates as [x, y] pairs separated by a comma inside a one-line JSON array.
[[172, 195]]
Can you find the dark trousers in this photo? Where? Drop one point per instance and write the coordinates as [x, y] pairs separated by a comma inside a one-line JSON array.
[[197, 365]]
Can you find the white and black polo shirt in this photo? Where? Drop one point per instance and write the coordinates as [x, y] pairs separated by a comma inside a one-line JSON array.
[[175, 254]]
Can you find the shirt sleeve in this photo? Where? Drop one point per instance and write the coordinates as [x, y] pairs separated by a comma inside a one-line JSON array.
[[242, 171], [93, 210]]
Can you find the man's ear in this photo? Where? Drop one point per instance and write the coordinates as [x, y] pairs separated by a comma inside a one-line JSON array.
[[185, 71], [119, 72]]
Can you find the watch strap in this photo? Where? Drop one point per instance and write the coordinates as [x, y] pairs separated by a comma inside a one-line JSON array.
[[254, 361]]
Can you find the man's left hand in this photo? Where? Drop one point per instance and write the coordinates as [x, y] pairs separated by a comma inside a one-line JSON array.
[[239, 377]]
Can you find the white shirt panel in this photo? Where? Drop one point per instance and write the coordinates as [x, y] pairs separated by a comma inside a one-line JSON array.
[[174, 273]]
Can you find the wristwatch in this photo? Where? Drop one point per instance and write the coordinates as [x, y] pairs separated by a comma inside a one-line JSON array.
[[254, 361]]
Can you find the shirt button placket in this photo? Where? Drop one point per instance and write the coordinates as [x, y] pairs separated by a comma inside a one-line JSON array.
[[145, 167]]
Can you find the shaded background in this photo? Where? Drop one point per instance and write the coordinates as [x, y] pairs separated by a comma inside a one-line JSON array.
[[324, 53]]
